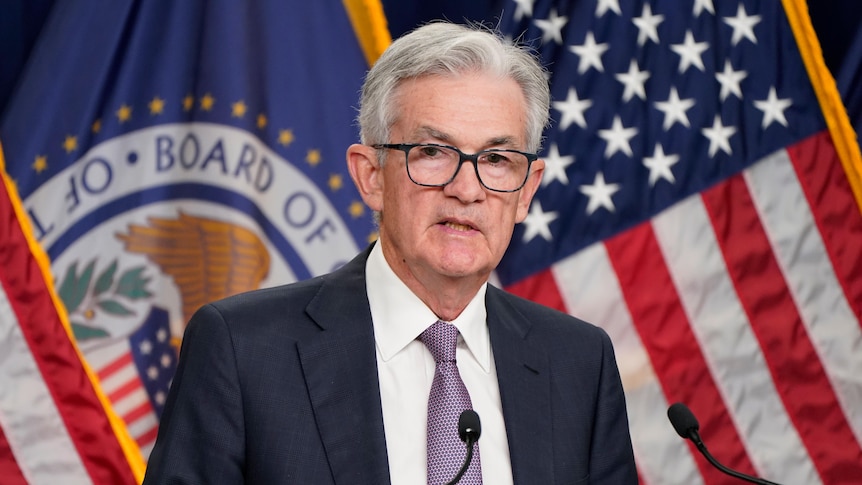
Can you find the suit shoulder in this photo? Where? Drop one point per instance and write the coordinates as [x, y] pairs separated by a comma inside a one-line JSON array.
[[286, 299], [545, 318], [275, 297]]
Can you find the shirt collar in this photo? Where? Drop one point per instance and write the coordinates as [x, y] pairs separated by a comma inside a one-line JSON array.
[[399, 316]]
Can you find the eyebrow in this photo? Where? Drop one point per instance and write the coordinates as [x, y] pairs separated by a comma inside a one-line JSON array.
[[427, 131]]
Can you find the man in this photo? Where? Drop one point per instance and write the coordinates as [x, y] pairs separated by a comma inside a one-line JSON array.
[[334, 380]]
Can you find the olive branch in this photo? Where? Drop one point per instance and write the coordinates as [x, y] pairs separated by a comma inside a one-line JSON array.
[[84, 296]]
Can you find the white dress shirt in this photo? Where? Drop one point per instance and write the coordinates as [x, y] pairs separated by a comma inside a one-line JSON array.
[[406, 371]]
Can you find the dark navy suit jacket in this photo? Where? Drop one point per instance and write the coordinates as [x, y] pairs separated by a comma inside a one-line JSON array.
[[280, 386]]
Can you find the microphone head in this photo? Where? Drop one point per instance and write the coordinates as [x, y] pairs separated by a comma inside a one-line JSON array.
[[683, 420], [469, 426]]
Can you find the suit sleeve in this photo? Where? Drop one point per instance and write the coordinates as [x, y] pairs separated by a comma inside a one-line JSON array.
[[612, 458], [201, 435]]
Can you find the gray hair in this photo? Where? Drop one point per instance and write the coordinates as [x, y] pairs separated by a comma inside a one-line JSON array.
[[442, 48]]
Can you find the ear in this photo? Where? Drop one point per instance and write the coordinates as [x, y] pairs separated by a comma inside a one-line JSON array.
[[367, 174], [525, 196]]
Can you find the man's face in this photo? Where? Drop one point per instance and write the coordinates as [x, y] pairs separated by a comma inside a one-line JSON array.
[[462, 229]]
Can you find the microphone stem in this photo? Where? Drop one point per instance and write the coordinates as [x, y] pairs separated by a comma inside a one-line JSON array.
[[466, 464], [702, 447]]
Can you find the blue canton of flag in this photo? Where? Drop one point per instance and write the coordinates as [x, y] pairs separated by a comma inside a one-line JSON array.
[[154, 358], [694, 205], [648, 108]]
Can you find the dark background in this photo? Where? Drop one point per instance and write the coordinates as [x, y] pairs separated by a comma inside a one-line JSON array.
[[837, 23]]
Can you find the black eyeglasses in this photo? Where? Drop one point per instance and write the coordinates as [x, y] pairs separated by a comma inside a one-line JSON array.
[[433, 165]]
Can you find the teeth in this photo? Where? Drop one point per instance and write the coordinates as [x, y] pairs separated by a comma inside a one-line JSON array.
[[457, 227]]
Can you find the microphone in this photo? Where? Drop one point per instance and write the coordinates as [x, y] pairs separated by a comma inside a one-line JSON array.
[[469, 430], [686, 425]]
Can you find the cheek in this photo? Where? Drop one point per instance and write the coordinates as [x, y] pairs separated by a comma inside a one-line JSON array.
[[402, 209]]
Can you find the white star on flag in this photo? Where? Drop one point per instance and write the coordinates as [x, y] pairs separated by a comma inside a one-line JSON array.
[[552, 27], [605, 5], [537, 223], [690, 52], [572, 109], [701, 5], [729, 80], [647, 25], [659, 165], [618, 138], [719, 136], [555, 166], [524, 8], [743, 25], [633, 80], [590, 54], [773, 108], [674, 109], [145, 347], [600, 194]]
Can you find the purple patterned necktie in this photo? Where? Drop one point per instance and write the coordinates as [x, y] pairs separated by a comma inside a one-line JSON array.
[[448, 398]]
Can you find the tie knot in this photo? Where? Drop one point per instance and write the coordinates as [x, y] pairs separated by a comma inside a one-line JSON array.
[[441, 339]]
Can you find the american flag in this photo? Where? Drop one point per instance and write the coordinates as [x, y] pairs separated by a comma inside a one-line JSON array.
[[55, 426], [135, 374], [695, 206]]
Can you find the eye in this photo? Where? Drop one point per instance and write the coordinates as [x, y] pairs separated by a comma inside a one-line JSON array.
[[495, 157], [429, 151]]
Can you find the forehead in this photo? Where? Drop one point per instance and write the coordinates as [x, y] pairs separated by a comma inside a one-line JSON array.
[[466, 110]]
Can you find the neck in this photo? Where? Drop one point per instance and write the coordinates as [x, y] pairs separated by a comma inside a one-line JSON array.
[[446, 296], [447, 300]]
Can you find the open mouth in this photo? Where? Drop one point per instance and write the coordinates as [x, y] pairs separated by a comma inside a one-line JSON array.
[[457, 226]]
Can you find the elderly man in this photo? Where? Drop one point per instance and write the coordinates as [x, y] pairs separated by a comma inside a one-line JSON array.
[[359, 376]]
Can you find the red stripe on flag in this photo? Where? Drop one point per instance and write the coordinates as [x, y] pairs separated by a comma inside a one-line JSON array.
[[9, 470], [664, 328], [124, 390], [540, 288], [148, 437], [137, 413], [56, 357], [114, 366], [799, 377], [836, 211]]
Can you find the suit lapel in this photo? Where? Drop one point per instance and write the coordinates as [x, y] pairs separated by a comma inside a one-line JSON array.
[[340, 369], [525, 391]]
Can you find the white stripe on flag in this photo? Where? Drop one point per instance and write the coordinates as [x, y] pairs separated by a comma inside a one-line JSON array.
[[591, 291], [131, 402], [729, 346], [119, 378], [142, 426], [798, 246], [125, 375], [29, 416]]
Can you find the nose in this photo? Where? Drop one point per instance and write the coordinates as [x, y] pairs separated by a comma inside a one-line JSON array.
[[465, 186]]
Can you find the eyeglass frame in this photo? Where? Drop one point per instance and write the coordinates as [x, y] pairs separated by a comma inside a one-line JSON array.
[[462, 157]]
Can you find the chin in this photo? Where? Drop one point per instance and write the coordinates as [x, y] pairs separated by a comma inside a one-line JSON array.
[[461, 270]]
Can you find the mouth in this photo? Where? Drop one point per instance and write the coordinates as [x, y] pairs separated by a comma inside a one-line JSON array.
[[458, 226]]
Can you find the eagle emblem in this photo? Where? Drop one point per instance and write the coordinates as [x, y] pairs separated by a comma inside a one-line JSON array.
[[207, 259]]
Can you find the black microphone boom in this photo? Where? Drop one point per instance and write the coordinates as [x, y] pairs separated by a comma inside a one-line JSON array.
[[686, 425], [469, 430]]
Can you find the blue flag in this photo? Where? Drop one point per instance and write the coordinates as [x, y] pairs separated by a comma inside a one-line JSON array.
[[172, 153]]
